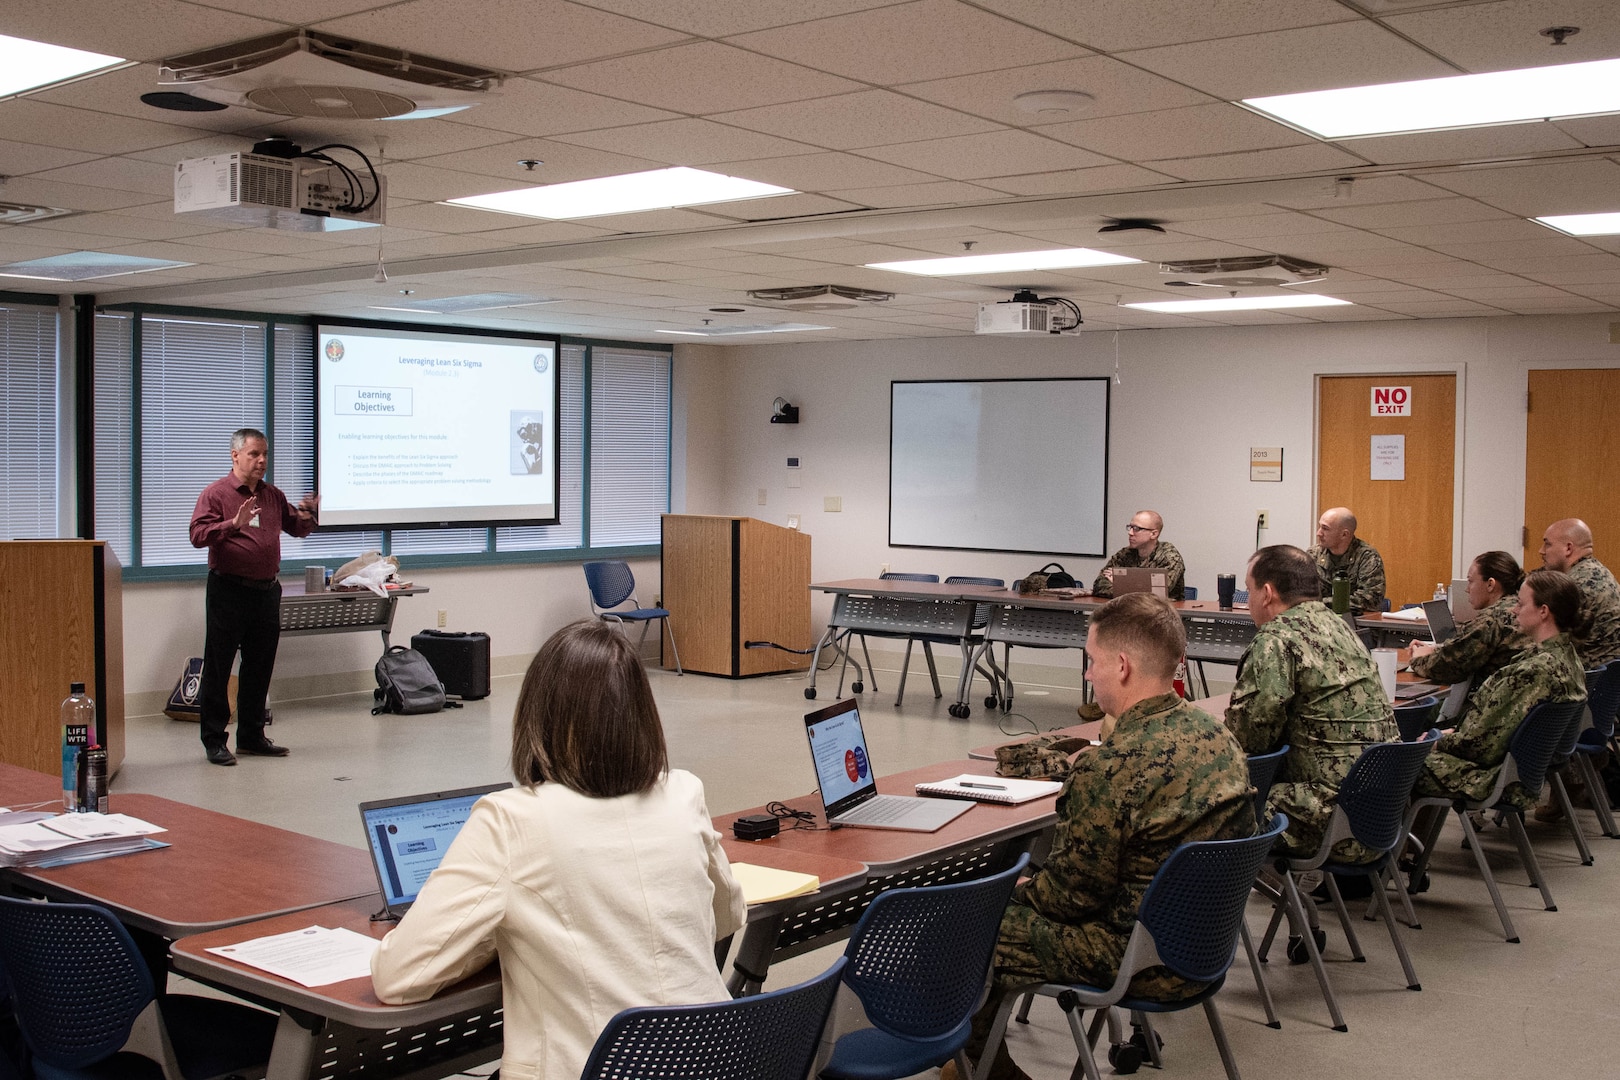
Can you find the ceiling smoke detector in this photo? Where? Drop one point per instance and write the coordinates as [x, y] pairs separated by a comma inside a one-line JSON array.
[[313, 74], [819, 297], [1244, 271]]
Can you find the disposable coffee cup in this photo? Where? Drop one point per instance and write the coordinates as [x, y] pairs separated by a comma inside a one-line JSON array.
[[314, 579], [1226, 589], [1386, 661]]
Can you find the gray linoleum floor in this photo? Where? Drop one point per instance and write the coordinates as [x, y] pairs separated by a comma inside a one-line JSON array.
[[1488, 1009]]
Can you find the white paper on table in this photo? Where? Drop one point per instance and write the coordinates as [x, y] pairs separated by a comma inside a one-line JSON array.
[[31, 837], [313, 956], [93, 826]]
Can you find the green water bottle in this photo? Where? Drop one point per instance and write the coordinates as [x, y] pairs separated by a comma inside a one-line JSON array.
[[1341, 592]]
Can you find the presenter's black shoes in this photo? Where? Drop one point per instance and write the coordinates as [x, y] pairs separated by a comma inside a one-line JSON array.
[[261, 747], [220, 755]]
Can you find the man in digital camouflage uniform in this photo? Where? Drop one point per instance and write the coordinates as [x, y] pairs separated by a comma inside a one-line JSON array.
[[1167, 775], [1144, 548], [1307, 681], [1339, 548], [1567, 546]]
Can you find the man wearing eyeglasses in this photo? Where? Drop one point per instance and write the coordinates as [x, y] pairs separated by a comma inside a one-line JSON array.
[[1339, 548], [1145, 549]]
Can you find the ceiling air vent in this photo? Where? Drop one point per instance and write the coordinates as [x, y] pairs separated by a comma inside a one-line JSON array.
[[819, 297], [1244, 271]]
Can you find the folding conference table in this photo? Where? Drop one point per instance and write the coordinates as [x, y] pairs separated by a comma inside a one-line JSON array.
[[337, 611]]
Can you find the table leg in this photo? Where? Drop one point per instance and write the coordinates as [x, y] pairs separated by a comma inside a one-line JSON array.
[[753, 960], [292, 1052]]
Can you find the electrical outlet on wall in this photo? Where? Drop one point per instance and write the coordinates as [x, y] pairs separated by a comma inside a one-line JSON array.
[[443, 620], [1265, 519], [833, 504]]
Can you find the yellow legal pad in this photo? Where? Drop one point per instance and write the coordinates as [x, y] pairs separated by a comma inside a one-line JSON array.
[[763, 883]]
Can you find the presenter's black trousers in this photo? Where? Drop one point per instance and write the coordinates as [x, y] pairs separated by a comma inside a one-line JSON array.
[[243, 617]]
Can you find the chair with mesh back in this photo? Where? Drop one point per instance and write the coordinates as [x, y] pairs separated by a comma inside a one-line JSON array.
[[1188, 921], [927, 579], [1414, 718], [1262, 774], [1602, 702], [918, 961], [1370, 808], [1537, 736], [770, 1036], [969, 643], [612, 584], [1563, 757], [88, 1010]]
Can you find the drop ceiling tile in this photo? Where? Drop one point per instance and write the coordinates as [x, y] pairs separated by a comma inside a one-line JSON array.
[[1393, 216], [137, 30], [410, 180], [117, 174], [1502, 229], [999, 153], [1259, 163], [1289, 61], [1567, 187], [852, 121], [1176, 133], [705, 18], [688, 141], [822, 172], [24, 158], [1481, 143], [707, 77], [299, 12], [1325, 193], [1514, 249], [927, 39], [1502, 36], [1592, 130], [1383, 262], [37, 192], [129, 227], [1574, 305], [785, 206], [1262, 229], [1114, 25], [446, 245], [530, 231], [1570, 269], [662, 220], [44, 124], [1116, 88], [1078, 181], [528, 107], [942, 193], [561, 162], [119, 92], [508, 35]]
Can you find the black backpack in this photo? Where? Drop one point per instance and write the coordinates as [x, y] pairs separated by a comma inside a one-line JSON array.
[[407, 684]]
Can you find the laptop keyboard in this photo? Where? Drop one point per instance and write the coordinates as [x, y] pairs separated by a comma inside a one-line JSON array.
[[879, 810]]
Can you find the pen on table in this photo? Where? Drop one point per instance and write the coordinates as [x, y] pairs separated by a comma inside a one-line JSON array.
[[983, 787]]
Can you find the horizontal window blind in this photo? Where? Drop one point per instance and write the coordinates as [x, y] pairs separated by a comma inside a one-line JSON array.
[[28, 428], [629, 445], [114, 433]]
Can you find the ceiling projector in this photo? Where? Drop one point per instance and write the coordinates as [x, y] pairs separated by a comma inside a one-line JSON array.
[[279, 186], [1027, 313]]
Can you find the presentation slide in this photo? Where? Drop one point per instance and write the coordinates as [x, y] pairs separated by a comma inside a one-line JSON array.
[[418, 427], [840, 753]]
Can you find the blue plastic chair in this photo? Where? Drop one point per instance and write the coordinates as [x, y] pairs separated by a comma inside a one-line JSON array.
[[1602, 703], [1529, 754], [918, 960], [1262, 774], [1414, 718], [82, 993], [1189, 592], [1188, 922], [611, 583], [1371, 808], [927, 579], [770, 1036], [1563, 756]]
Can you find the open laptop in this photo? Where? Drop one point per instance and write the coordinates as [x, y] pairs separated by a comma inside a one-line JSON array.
[[1129, 579], [1462, 609], [1442, 627], [408, 836], [848, 783]]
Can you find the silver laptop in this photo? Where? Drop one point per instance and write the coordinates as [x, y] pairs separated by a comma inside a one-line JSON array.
[[1442, 627], [1148, 579], [408, 836], [1462, 609], [848, 784]]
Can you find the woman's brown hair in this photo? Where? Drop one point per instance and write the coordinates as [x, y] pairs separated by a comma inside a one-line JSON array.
[[585, 717]]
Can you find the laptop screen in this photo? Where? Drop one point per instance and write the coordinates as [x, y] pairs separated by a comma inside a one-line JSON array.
[[408, 836], [1441, 625], [838, 749]]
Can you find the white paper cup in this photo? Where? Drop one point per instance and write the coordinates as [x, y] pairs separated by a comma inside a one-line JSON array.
[[1386, 659]]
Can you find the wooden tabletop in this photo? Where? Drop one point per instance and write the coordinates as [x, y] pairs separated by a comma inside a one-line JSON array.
[[351, 1002], [217, 871], [1090, 729], [989, 594], [837, 874], [20, 787], [885, 851]]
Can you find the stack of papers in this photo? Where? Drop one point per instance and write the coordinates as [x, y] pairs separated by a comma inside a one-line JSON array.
[[1411, 614], [762, 884], [313, 956], [62, 838]]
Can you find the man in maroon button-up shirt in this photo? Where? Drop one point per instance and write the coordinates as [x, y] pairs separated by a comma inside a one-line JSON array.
[[240, 519]]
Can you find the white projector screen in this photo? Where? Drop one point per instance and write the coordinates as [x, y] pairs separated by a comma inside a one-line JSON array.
[[420, 427], [999, 465]]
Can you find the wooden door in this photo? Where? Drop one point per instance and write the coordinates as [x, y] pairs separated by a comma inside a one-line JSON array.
[[1409, 521], [1572, 458]]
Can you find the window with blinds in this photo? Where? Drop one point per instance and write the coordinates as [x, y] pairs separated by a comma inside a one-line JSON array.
[[114, 421], [629, 446], [28, 429]]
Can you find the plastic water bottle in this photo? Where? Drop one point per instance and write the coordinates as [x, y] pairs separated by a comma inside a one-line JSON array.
[[1440, 591], [78, 721]]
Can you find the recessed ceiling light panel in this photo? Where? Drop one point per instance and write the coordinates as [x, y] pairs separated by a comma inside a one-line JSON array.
[[450, 305], [1010, 262], [658, 189], [738, 331], [29, 65], [1240, 303], [1582, 224], [85, 266]]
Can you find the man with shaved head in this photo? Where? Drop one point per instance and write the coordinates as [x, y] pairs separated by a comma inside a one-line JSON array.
[[1338, 548], [1567, 546], [1144, 548]]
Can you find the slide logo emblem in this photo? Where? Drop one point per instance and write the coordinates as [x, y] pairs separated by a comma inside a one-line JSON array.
[[334, 350], [541, 362]]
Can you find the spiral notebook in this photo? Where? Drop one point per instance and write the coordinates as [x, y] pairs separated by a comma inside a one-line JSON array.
[[991, 789]]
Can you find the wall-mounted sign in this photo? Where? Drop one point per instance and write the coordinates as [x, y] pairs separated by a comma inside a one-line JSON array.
[[1265, 464], [1392, 401], [1389, 457]]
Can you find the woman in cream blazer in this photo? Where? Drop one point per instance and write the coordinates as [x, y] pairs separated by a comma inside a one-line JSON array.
[[598, 881]]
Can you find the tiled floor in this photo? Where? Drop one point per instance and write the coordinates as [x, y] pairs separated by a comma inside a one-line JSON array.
[[1487, 1009]]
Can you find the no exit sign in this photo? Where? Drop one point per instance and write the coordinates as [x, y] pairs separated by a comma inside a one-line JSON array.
[[1392, 401]]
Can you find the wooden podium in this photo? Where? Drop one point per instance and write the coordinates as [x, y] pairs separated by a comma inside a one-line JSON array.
[[64, 623], [731, 580]]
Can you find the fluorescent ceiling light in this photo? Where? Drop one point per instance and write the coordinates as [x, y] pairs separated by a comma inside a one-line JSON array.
[[85, 266], [429, 114], [1582, 224], [1006, 263], [1240, 303], [734, 331], [1459, 101], [659, 189], [28, 65], [451, 305]]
